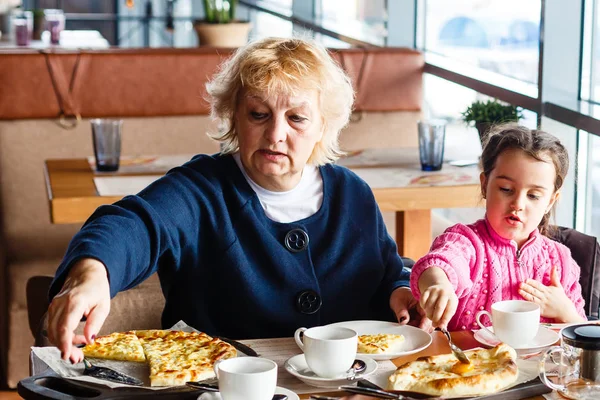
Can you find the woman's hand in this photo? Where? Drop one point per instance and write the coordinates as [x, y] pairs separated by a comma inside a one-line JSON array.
[[554, 302], [438, 299], [407, 309], [85, 293]]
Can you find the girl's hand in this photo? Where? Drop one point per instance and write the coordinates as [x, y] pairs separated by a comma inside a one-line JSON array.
[[438, 300], [439, 303], [552, 299]]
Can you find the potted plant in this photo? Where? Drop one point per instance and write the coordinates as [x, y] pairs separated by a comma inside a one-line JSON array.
[[219, 28], [487, 113]]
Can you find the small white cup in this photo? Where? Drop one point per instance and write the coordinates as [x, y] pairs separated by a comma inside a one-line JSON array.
[[515, 322], [246, 378], [329, 351]]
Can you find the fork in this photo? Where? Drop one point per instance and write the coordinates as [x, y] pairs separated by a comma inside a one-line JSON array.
[[458, 353]]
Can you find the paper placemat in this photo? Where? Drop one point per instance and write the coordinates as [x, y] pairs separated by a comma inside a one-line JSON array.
[[123, 185], [51, 356]]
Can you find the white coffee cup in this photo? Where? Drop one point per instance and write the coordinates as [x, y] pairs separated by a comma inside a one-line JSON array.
[[329, 351], [515, 322], [246, 378]]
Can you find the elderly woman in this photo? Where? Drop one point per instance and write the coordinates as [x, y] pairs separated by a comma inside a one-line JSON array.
[[256, 241]]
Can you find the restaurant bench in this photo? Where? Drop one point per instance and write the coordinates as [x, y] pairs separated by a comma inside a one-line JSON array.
[[46, 101]]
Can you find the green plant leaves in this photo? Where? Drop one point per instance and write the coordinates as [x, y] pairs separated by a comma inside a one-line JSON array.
[[220, 12], [491, 111]]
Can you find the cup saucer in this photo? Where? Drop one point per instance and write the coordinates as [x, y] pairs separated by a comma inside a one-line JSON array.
[[278, 390], [298, 367], [544, 338]]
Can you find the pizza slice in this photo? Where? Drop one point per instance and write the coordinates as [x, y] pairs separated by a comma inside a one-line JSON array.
[[490, 371], [379, 343], [177, 357], [121, 346]]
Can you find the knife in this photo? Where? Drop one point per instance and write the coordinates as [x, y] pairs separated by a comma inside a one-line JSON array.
[[108, 374], [247, 350]]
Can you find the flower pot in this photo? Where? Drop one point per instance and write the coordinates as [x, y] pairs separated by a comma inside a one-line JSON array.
[[233, 34], [483, 128]]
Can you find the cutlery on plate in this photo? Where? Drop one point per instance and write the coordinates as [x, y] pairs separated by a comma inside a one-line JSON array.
[[108, 374], [358, 367], [211, 387], [458, 353]]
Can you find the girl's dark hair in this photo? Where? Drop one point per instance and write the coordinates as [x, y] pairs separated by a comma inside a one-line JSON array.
[[535, 143]]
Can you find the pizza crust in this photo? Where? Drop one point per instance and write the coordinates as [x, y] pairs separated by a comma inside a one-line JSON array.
[[493, 370]]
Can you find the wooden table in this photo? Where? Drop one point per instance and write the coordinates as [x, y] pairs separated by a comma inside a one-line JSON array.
[[73, 196]]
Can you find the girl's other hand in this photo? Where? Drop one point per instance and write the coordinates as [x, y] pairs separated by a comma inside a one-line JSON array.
[[552, 299]]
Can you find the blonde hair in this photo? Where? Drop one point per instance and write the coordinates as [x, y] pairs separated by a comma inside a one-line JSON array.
[[278, 65]]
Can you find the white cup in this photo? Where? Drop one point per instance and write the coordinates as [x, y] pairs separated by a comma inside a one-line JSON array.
[[246, 378], [515, 322], [329, 351]]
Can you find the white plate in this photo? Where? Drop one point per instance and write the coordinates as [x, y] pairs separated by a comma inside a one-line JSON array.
[[415, 339], [297, 366], [544, 338], [278, 390]]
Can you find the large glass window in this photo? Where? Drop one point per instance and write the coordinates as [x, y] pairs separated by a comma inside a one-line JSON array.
[[593, 185], [359, 19], [498, 35], [590, 74]]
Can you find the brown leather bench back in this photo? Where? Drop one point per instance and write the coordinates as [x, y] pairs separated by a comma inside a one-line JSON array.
[[163, 82]]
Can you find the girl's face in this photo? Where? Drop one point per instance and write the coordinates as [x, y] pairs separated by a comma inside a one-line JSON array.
[[519, 191], [277, 136]]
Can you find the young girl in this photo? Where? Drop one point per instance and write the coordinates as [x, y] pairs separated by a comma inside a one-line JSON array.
[[505, 255]]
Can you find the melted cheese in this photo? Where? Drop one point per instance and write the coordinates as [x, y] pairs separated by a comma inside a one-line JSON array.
[[379, 343]]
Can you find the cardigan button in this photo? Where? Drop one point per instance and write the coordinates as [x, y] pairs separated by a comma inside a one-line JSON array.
[[296, 240], [308, 302], [468, 312]]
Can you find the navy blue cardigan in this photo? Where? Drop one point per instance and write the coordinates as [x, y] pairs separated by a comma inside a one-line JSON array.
[[222, 263]]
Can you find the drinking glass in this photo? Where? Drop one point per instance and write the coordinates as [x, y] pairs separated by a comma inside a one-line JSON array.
[[22, 25], [55, 24], [432, 134], [106, 134]]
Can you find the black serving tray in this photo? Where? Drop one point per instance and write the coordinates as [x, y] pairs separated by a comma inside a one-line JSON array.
[[49, 385]]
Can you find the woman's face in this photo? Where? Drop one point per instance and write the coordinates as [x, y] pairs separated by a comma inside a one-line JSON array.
[[277, 135]]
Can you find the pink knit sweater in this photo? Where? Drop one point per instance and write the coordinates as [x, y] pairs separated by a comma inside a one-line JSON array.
[[485, 268]]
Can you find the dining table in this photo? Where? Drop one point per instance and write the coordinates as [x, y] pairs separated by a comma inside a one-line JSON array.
[[439, 345], [394, 175]]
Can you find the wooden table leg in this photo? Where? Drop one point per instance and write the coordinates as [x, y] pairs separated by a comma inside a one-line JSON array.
[[413, 233]]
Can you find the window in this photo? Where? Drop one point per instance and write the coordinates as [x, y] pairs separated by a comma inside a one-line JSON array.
[[499, 36], [592, 216], [359, 19]]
